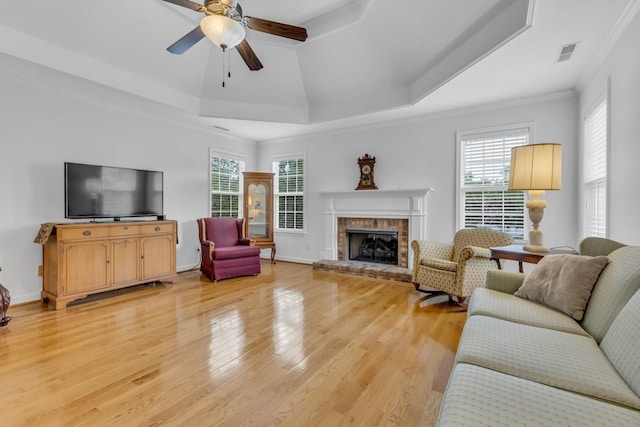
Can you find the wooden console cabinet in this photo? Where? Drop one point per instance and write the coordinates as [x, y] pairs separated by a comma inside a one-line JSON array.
[[87, 258]]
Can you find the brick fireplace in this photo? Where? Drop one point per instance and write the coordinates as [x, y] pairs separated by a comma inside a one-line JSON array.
[[404, 211], [397, 225]]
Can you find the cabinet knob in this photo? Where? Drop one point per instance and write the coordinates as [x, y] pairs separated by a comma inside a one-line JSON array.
[[86, 233], [157, 228]]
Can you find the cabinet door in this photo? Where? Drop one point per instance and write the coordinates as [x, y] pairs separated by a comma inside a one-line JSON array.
[[85, 266], [258, 206], [158, 256], [124, 261]]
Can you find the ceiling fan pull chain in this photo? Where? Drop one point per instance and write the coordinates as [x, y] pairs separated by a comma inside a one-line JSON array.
[[223, 68]]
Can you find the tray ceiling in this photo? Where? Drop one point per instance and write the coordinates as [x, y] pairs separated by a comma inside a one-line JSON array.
[[363, 58]]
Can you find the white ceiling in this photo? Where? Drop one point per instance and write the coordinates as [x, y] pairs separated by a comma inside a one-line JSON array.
[[365, 61]]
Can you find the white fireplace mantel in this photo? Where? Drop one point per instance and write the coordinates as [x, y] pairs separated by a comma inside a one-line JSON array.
[[408, 204]]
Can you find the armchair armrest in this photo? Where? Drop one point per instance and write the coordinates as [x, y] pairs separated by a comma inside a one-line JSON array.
[[469, 252], [246, 242], [504, 281], [207, 247], [424, 249]]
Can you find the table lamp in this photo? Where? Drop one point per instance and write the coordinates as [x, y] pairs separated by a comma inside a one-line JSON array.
[[536, 168]]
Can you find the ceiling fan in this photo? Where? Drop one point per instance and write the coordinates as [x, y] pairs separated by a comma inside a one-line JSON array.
[[224, 24]]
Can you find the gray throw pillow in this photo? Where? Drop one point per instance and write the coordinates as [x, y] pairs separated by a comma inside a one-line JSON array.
[[563, 282]]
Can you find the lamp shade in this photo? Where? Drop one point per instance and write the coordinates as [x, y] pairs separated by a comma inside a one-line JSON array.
[[536, 167], [223, 31]]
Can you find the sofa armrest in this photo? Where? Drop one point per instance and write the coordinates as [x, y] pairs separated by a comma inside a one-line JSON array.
[[504, 281]]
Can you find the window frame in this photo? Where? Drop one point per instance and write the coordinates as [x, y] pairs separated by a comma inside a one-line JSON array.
[[600, 182], [464, 136], [242, 167], [275, 163]]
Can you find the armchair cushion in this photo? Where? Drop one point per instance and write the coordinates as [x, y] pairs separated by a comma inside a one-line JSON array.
[[563, 282], [236, 252], [440, 264]]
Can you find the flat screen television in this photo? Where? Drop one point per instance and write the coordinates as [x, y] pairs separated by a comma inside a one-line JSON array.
[[93, 191]]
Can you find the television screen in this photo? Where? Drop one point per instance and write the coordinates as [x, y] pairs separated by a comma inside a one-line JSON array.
[[93, 191]]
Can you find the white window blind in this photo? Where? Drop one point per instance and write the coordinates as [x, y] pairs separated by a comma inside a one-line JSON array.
[[225, 186], [289, 193], [485, 198], [595, 171]]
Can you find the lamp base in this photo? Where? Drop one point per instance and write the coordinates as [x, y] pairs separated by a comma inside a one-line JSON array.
[[535, 241]]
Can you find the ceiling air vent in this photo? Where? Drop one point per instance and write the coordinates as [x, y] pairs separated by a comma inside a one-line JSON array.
[[566, 52]]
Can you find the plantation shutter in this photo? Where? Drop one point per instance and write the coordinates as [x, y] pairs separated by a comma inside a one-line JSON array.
[[289, 186], [486, 200], [595, 171], [225, 186]]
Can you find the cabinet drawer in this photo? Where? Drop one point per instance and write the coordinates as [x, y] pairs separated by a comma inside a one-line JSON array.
[[124, 230], [157, 228], [82, 233]]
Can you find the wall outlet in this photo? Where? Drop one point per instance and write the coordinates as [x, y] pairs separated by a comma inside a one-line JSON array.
[[40, 270]]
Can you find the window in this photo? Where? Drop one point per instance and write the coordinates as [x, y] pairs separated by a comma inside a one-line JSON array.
[[289, 193], [485, 201], [226, 173], [595, 171]]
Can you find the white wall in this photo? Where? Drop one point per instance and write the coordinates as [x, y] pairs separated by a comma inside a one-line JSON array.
[[620, 69], [41, 127], [421, 153]]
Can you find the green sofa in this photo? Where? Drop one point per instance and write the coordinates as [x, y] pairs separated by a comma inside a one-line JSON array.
[[523, 363]]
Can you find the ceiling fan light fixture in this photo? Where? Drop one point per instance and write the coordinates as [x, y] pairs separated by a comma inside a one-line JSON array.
[[223, 31]]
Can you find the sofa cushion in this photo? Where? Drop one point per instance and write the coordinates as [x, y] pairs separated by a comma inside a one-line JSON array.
[[497, 304], [616, 285], [558, 359], [563, 282], [478, 396]]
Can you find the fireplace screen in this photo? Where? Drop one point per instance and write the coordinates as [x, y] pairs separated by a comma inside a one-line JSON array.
[[373, 246]]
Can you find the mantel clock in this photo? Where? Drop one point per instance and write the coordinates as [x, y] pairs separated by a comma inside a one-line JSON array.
[[366, 164]]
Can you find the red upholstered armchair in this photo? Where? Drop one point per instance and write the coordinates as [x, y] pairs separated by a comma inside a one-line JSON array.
[[225, 253]]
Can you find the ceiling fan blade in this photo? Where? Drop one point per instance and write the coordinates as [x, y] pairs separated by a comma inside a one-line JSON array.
[[277, 29], [182, 45], [186, 3], [249, 56]]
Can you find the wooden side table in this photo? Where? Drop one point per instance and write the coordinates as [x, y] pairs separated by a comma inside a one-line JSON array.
[[518, 253]]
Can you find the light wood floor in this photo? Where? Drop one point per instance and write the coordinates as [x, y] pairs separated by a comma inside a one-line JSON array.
[[291, 347]]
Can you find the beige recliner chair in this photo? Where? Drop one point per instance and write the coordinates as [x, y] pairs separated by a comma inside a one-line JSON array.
[[456, 269]]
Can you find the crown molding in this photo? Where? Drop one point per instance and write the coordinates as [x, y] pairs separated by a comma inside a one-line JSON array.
[[610, 41]]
